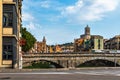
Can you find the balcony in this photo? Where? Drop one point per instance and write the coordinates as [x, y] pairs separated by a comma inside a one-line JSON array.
[[8, 31]]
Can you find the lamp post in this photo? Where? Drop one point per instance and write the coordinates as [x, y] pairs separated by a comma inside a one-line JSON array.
[[20, 60], [115, 58], [22, 42]]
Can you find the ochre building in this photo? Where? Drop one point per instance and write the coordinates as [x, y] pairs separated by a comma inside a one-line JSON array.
[[40, 47], [10, 22]]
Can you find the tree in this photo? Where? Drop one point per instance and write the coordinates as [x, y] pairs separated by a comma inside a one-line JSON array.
[[29, 40]]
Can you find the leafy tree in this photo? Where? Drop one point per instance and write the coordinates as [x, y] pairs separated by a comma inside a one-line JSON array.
[[29, 40]]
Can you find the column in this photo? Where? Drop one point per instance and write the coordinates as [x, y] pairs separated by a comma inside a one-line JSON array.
[[1, 32]]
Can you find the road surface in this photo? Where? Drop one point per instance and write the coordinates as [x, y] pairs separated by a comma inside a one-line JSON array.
[[102, 74]]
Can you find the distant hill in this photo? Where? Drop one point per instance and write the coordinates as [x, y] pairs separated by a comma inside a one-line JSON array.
[[66, 44]]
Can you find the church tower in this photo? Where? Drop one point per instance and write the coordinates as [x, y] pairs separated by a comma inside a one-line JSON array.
[[44, 40], [86, 34], [44, 47], [87, 30]]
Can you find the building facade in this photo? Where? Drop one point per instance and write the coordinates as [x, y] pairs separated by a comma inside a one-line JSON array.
[[113, 43], [57, 49], [40, 47], [60, 48], [69, 48], [97, 42], [10, 23], [88, 42], [50, 49]]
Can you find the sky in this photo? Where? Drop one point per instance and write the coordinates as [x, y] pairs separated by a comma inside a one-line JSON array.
[[62, 21]]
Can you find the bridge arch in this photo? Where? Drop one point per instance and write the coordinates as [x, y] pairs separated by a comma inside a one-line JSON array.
[[53, 64], [98, 63]]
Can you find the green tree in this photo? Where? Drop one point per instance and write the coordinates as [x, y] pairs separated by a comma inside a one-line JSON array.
[[29, 40]]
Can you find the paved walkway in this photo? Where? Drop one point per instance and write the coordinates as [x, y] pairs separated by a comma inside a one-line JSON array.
[[61, 69], [83, 74]]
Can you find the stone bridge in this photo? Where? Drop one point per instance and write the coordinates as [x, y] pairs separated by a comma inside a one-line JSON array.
[[70, 60]]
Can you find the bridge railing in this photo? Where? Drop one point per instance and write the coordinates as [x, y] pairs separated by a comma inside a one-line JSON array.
[[71, 55]]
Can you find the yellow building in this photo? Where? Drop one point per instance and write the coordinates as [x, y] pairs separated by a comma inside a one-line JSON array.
[[40, 47], [97, 42], [58, 48], [10, 22], [50, 49]]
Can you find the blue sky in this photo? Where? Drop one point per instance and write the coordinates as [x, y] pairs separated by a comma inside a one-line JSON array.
[[61, 21]]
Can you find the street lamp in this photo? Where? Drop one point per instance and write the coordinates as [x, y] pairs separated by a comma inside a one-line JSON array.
[[115, 58]]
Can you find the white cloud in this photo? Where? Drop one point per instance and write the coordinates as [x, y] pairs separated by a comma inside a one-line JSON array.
[[30, 26], [89, 10], [45, 4], [27, 17], [54, 5]]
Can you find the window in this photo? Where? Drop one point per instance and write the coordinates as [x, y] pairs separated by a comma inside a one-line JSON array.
[[7, 15], [98, 43], [7, 19], [7, 48], [7, 52]]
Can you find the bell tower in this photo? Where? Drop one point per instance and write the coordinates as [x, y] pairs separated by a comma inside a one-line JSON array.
[[87, 30], [44, 40], [44, 45]]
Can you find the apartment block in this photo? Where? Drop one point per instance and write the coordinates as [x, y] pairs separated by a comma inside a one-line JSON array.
[[10, 23], [113, 43]]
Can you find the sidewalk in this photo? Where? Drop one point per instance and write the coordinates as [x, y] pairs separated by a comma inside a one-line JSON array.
[[59, 69]]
